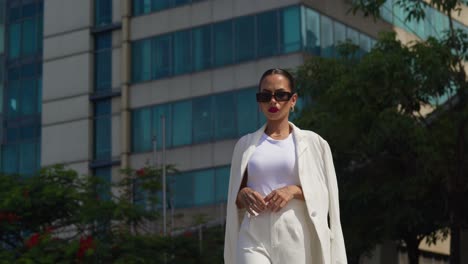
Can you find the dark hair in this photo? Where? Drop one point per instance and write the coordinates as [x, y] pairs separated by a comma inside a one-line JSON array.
[[282, 72]]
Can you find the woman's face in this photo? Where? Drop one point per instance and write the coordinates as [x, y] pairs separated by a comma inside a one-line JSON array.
[[274, 109]]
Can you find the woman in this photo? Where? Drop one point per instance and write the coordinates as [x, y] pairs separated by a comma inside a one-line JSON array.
[[283, 196]]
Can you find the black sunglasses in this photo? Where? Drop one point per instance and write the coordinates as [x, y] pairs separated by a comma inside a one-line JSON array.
[[264, 97]]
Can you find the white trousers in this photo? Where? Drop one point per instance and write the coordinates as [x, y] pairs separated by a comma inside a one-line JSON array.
[[276, 238]]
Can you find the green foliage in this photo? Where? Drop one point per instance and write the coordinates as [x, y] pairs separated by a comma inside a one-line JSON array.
[[61, 217]]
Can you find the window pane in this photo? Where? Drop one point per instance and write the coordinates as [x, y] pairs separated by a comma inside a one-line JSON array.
[[182, 55], [166, 111], [29, 38], [244, 38], [103, 11], [102, 108], [340, 33], [2, 38], [202, 48], [291, 30], [204, 187], [311, 31], [183, 190], [223, 43], [267, 33], [141, 130], [326, 28], [352, 35], [13, 96], [225, 118], [141, 7], [9, 159], [28, 97], [105, 177], [161, 4], [103, 74], [364, 43], [202, 125], [15, 40], [247, 111], [222, 184], [386, 11], [161, 56], [39, 95], [182, 123], [27, 164], [102, 137], [141, 60]]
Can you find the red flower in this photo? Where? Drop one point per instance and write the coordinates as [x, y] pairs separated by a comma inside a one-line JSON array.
[[86, 243], [141, 172], [33, 240]]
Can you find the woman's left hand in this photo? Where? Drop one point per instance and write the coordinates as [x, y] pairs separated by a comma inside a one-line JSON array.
[[278, 198]]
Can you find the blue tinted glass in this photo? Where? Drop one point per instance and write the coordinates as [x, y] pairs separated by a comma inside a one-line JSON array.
[[29, 10], [223, 43], [352, 35], [247, 111], [102, 107], [27, 159], [103, 73], [182, 54], [222, 184], [182, 123], [340, 33], [14, 13], [183, 190], [28, 97], [103, 41], [311, 31], [14, 73], [103, 12], [290, 29], [40, 32], [267, 33], [12, 134], [105, 177], [181, 2], [102, 138], [201, 38], [244, 38], [141, 7], [10, 158], [364, 43], [141, 130], [161, 4], [204, 189], [202, 119], [28, 70], [141, 60], [39, 95], [14, 40], [161, 60], [225, 116], [28, 132], [29, 38], [386, 11], [13, 99], [158, 112], [326, 37]]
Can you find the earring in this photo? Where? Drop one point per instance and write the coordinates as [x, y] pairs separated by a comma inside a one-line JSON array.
[[292, 108]]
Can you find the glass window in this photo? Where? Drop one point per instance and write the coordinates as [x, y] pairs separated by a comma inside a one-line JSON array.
[[340, 33], [202, 48], [27, 162], [161, 56], [28, 97], [183, 190], [103, 74], [364, 43], [182, 123], [29, 10], [291, 29], [13, 99], [9, 159], [141, 7], [29, 132], [223, 43], [326, 28], [267, 33], [14, 40], [105, 177], [141, 130], [352, 35], [103, 12], [40, 33], [203, 187], [386, 11], [39, 95], [311, 31], [102, 137], [222, 184], [202, 116], [247, 111], [2, 38], [244, 38], [225, 115], [29, 38], [182, 54], [161, 4], [158, 112], [141, 60]]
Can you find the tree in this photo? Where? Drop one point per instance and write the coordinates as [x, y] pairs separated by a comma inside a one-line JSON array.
[[60, 217], [391, 159]]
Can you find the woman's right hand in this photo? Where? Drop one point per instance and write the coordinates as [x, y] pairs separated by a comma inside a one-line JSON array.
[[250, 200]]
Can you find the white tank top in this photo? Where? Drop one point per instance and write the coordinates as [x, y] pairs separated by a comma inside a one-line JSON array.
[[272, 165]]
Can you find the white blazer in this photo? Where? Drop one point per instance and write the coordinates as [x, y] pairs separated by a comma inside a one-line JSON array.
[[319, 185]]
